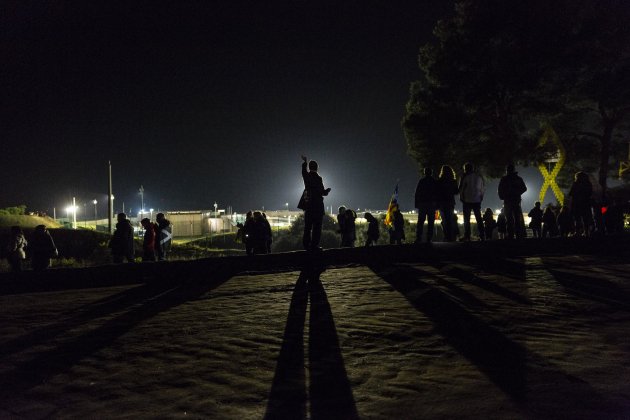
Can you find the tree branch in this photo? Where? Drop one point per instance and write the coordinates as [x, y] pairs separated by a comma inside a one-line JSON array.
[[590, 134]]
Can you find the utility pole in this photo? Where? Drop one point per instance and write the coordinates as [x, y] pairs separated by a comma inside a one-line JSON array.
[[110, 200]]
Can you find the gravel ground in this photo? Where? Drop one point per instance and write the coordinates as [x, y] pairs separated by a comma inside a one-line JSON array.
[[542, 336]]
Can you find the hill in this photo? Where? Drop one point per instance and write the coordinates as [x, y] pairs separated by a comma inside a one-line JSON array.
[[26, 221]]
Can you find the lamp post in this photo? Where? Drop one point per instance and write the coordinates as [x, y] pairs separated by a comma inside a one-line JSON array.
[[72, 209], [215, 213], [85, 215], [151, 210], [95, 217], [141, 191]]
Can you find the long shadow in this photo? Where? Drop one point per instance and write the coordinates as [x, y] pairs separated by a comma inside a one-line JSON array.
[[46, 364], [502, 360], [595, 289], [486, 285], [330, 392], [85, 314], [287, 398]]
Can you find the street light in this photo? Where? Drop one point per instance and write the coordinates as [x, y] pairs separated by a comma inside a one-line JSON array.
[[141, 191], [95, 217], [72, 209], [151, 210]]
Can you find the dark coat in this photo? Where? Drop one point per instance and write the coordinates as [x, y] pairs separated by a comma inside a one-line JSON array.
[[314, 191], [426, 192], [41, 246], [446, 191], [122, 240], [511, 187]]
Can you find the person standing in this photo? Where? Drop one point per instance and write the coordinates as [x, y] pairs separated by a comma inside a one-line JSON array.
[[16, 249], [446, 190], [42, 248], [164, 236], [268, 233], [536, 220], [248, 233], [312, 202], [341, 222], [426, 202], [121, 243], [148, 245], [372, 231], [397, 230], [550, 226], [580, 193], [471, 191], [349, 234], [511, 187], [489, 223]]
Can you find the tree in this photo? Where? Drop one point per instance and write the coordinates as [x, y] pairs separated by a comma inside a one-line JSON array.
[[498, 71], [596, 88]]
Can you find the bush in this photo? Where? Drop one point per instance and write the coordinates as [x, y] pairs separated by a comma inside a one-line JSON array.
[[15, 211]]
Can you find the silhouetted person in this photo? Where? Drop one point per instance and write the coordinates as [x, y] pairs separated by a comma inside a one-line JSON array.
[[341, 220], [501, 224], [397, 230], [488, 223], [42, 248], [164, 236], [426, 201], [446, 191], [550, 225], [268, 233], [16, 247], [471, 191], [312, 202], [536, 219], [372, 231], [248, 232], [511, 187], [121, 243], [148, 244], [580, 194], [565, 222], [349, 234]]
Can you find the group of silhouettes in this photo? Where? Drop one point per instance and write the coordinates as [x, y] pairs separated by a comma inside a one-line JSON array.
[[436, 196], [255, 233], [40, 247], [155, 245]]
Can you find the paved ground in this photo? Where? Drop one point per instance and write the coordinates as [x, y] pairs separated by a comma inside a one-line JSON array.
[[465, 335]]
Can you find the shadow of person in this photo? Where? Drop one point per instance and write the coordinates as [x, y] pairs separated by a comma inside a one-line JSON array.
[[330, 393], [150, 300]]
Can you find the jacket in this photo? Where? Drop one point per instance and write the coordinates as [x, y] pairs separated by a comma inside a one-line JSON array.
[[471, 188], [511, 187], [426, 192], [314, 191], [122, 240]]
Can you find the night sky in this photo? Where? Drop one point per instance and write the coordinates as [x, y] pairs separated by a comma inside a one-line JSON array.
[[207, 101]]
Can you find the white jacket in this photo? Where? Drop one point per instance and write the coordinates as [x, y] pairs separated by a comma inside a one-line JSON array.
[[471, 188]]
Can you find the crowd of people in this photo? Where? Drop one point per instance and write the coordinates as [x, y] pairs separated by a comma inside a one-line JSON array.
[[434, 198]]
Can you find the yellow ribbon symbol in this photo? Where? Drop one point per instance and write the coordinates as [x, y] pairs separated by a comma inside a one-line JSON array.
[[549, 135]]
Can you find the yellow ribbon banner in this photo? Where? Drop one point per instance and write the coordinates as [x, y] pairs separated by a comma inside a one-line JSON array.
[[549, 135]]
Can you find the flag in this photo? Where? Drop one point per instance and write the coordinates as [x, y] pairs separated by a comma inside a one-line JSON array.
[[393, 202]]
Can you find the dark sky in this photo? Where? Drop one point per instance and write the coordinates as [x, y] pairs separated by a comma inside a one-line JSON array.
[[207, 101]]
